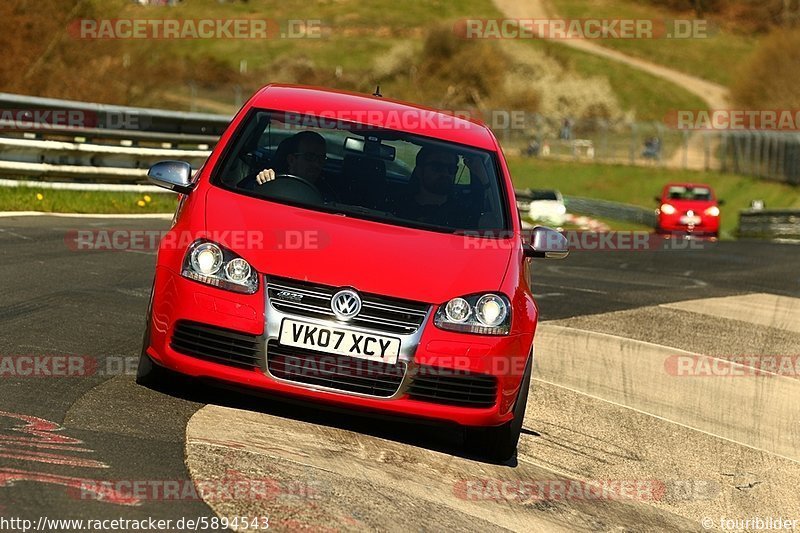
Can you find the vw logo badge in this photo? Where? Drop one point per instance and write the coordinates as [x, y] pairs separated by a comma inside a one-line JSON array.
[[345, 304]]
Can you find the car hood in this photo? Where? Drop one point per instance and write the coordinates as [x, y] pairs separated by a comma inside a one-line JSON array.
[[336, 250]]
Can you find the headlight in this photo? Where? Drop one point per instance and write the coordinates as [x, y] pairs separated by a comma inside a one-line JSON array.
[[668, 209], [485, 314], [209, 263], [237, 270], [457, 310], [491, 310], [712, 211], [206, 258]]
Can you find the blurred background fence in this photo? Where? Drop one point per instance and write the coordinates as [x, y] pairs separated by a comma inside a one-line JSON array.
[[764, 154], [773, 155]]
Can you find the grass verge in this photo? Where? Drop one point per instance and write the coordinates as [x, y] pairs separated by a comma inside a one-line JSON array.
[[58, 201]]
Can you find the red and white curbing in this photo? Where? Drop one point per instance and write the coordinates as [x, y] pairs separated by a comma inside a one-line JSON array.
[[586, 223]]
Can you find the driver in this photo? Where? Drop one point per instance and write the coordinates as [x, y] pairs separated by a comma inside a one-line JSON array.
[[305, 158]]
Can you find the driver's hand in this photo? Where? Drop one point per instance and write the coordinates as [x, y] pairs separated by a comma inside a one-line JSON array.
[[265, 175]]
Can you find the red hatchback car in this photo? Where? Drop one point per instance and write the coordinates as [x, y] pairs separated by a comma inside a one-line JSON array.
[[688, 209], [354, 251]]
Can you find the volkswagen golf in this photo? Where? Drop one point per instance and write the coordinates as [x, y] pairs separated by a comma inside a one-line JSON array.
[[354, 251]]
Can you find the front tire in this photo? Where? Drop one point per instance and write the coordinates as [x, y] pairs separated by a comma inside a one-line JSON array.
[[148, 373], [499, 443]]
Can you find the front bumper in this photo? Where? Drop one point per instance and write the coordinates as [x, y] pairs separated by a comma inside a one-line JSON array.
[[683, 231], [672, 225], [178, 301]]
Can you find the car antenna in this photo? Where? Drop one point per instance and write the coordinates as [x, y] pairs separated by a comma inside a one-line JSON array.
[[377, 92]]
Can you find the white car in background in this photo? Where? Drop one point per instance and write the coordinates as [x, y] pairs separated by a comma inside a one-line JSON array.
[[547, 205]]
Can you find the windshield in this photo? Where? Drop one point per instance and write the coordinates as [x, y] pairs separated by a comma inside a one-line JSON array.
[[689, 193], [379, 174]]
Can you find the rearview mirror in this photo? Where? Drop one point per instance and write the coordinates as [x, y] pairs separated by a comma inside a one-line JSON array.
[[548, 243], [657, 198], [720, 202], [173, 175], [371, 146]]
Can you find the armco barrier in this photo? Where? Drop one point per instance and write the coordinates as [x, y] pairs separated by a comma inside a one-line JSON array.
[[598, 208], [99, 121], [69, 159], [612, 210], [46, 137], [770, 224]]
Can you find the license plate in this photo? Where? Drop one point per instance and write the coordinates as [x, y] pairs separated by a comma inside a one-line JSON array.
[[690, 220], [339, 341]]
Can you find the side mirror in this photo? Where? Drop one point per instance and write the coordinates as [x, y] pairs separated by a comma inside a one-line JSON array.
[[547, 243], [173, 175], [657, 199], [720, 202]]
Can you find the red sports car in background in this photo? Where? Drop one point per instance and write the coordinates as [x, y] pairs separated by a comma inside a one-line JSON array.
[[688, 209], [381, 265]]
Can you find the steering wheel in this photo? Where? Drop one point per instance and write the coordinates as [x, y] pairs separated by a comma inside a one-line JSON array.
[[304, 181]]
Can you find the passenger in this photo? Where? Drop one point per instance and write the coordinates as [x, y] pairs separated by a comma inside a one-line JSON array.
[[430, 200]]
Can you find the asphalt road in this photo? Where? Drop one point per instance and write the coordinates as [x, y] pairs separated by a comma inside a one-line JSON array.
[[89, 306]]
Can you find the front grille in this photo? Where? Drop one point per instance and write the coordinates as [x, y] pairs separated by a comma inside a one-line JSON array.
[[453, 387], [334, 371], [216, 344], [380, 313]]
